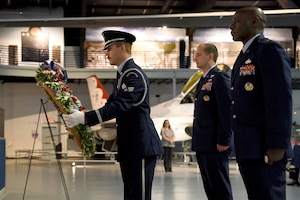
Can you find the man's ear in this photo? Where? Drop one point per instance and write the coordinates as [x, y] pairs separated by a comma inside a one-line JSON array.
[[123, 48], [255, 21], [211, 56]]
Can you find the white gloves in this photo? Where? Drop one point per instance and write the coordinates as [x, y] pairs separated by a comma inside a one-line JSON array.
[[76, 117]]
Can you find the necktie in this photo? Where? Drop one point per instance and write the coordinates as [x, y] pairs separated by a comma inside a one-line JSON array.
[[200, 83], [237, 63], [201, 80], [118, 75], [116, 82]]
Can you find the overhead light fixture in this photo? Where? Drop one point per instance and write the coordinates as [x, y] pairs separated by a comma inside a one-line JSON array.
[[231, 13], [34, 31], [282, 11]]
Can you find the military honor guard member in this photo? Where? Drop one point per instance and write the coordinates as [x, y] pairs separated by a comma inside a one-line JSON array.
[[138, 142], [261, 107]]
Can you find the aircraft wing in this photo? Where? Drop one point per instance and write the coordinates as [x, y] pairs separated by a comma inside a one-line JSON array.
[[179, 110], [179, 115]]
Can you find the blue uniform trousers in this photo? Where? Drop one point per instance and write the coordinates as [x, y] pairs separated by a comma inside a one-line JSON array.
[[132, 177], [215, 174], [263, 181]]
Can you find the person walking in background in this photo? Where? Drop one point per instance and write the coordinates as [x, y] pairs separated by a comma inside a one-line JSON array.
[[212, 133], [261, 107], [168, 142], [138, 141]]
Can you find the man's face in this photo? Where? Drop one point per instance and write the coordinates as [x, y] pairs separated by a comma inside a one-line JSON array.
[[241, 27], [201, 58], [113, 54]]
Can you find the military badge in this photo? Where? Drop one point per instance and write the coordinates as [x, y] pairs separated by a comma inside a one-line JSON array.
[[206, 98], [211, 78], [249, 86], [248, 61], [127, 89]]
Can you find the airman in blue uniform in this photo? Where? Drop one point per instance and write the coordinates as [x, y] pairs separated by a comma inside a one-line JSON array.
[[138, 142], [261, 107], [212, 131]]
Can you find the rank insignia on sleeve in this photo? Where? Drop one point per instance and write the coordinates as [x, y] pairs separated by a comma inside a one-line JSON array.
[[127, 89]]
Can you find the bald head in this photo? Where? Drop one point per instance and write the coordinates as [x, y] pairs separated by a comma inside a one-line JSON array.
[[247, 22], [254, 12]]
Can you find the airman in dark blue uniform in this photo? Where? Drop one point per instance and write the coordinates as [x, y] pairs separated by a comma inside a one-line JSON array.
[[138, 141], [212, 124], [261, 107]]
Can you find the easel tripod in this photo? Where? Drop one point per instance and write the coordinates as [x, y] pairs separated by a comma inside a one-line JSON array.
[[42, 105]]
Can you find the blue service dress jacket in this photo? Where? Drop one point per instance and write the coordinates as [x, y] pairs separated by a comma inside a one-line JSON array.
[[129, 103], [212, 112], [261, 100]]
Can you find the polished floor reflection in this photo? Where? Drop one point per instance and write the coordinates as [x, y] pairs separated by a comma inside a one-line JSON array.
[[95, 181]]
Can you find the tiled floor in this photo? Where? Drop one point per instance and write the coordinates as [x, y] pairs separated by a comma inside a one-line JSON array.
[[103, 181]]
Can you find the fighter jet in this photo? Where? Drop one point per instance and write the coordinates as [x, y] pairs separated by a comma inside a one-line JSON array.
[[179, 111], [105, 133]]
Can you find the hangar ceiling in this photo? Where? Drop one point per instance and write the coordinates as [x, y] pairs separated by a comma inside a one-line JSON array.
[[141, 13], [92, 8], [150, 7], [79, 14]]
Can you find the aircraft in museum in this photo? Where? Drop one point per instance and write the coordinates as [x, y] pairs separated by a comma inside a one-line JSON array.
[[179, 111], [105, 133]]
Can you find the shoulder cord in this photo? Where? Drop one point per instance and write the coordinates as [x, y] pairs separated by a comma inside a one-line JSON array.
[[129, 72]]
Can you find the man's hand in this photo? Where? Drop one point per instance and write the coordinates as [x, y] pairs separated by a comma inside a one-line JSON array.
[[222, 148], [76, 117], [274, 155]]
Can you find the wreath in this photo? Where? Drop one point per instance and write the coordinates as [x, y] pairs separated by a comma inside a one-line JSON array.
[[52, 77]]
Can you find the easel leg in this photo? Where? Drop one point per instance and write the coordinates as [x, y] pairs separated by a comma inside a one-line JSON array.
[[57, 159], [143, 179]]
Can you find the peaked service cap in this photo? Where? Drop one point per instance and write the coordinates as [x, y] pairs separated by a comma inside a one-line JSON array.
[[111, 37]]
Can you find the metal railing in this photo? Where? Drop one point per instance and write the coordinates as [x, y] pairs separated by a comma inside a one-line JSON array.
[[74, 57]]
